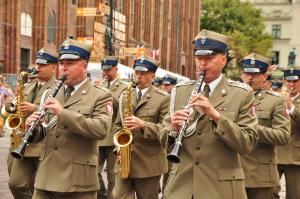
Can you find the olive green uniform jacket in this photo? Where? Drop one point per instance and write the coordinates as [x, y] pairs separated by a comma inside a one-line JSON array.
[[273, 127], [290, 154], [210, 166], [69, 162], [116, 90], [148, 154]]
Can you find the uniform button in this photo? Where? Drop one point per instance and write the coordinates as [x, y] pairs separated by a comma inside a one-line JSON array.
[[233, 177], [55, 148], [199, 133], [198, 147], [57, 136], [222, 133], [197, 163]]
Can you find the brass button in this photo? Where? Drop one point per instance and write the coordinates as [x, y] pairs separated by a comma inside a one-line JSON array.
[[198, 147], [197, 162]]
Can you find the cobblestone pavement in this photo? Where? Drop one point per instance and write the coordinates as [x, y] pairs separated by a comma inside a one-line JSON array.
[[4, 191]]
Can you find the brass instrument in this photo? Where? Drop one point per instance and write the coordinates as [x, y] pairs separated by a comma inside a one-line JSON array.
[[16, 121], [123, 138]]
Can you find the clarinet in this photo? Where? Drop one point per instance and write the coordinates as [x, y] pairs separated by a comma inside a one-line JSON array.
[[174, 155], [29, 135]]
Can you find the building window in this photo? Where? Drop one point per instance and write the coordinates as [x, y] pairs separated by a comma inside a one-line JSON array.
[[25, 58], [276, 31], [51, 27], [275, 57], [26, 25], [74, 2]]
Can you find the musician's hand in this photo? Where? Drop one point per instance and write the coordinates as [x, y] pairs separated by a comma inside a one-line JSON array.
[[178, 118], [287, 95], [205, 106], [27, 107], [132, 123], [53, 105], [32, 118]]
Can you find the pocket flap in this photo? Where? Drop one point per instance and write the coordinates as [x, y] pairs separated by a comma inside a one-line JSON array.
[[87, 162], [263, 114], [231, 174]]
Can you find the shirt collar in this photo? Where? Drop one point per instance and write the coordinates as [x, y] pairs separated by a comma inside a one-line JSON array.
[[144, 91], [77, 86], [292, 98], [212, 85]]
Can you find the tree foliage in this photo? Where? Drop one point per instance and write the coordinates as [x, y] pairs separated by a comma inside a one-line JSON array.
[[241, 21]]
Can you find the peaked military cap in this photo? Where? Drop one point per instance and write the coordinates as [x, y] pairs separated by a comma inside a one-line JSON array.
[[276, 79], [145, 64], [255, 63], [208, 43], [108, 62], [46, 56], [292, 73], [72, 49], [157, 81], [168, 79]]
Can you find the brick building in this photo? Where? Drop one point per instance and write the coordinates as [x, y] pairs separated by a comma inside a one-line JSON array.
[[167, 26]]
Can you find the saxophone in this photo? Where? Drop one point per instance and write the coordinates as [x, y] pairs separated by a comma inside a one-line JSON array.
[[16, 121], [123, 138]]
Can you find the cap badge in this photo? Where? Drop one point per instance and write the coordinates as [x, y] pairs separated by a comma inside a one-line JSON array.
[[291, 70], [42, 51], [66, 44], [203, 36], [252, 62]]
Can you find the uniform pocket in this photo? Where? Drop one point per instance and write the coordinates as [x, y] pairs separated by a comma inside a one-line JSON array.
[[264, 118], [84, 174], [232, 183]]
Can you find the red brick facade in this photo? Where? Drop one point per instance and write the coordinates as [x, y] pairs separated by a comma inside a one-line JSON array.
[[167, 25]]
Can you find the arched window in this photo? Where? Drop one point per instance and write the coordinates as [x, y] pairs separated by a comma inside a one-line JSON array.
[[51, 27], [26, 24]]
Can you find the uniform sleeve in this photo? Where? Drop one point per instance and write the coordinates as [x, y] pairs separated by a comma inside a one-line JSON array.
[[152, 130], [93, 126], [240, 135], [296, 114], [279, 132]]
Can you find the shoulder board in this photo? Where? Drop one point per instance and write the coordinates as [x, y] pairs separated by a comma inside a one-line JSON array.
[[239, 84], [273, 93], [183, 83], [101, 88], [161, 92]]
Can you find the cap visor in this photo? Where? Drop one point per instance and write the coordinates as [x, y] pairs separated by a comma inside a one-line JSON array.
[[69, 56], [141, 68], [41, 61], [203, 52], [291, 78], [251, 70], [106, 67]]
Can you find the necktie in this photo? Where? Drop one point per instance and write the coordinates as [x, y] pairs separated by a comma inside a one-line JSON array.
[[69, 90], [108, 84], [206, 90], [139, 96], [35, 92]]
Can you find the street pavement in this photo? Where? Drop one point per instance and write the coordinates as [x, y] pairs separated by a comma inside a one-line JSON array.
[[4, 191]]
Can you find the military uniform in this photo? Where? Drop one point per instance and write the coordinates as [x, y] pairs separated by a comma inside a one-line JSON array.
[[69, 163], [106, 146], [210, 166], [289, 156], [260, 166], [22, 172], [148, 147]]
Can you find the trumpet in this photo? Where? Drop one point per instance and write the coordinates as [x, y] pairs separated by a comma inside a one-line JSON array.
[[174, 155], [30, 133]]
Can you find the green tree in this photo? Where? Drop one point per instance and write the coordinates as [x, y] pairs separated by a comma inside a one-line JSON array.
[[242, 22]]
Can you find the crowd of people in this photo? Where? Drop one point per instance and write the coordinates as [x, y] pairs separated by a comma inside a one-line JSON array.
[[210, 138]]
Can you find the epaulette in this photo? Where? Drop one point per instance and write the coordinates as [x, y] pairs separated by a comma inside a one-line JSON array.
[[184, 83], [273, 93], [101, 88], [239, 84], [161, 92]]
